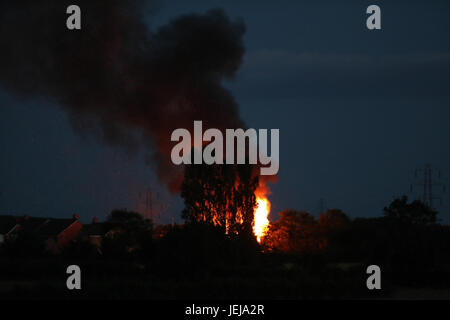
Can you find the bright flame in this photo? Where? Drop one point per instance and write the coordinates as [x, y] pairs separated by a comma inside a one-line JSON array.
[[261, 223]]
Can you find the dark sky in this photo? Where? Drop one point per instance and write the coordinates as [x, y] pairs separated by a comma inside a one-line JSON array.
[[357, 110]]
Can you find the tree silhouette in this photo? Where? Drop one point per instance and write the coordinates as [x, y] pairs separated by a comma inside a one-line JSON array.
[[294, 232], [332, 220], [129, 233], [221, 195], [415, 212]]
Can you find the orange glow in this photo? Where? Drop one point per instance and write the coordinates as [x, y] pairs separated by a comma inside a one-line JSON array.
[[261, 222]]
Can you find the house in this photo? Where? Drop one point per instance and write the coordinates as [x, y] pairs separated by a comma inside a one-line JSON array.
[[27, 224], [7, 225], [95, 232], [55, 233]]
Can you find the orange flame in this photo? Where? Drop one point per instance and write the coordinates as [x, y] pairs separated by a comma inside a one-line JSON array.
[[261, 222]]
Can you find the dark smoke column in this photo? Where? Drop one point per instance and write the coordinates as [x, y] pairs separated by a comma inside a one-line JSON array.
[[118, 79]]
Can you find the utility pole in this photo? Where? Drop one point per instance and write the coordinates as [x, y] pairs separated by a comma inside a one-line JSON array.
[[149, 203], [153, 205], [429, 178], [322, 206]]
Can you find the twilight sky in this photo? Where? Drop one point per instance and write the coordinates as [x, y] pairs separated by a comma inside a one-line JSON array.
[[357, 110]]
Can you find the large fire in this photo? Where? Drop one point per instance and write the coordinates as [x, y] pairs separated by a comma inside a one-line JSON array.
[[261, 222]]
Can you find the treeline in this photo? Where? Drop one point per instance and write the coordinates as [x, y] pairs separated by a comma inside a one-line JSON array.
[[407, 242]]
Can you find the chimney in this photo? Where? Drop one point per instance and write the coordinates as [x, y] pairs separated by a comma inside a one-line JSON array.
[[94, 220], [75, 216]]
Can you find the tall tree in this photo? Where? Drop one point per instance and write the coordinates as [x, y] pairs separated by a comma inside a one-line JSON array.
[[221, 195]]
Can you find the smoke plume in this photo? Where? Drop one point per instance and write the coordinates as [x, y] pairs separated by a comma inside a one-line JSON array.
[[118, 77]]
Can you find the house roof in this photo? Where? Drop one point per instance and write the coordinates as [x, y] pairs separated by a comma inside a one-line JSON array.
[[31, 224], [46, 227], [53, 227], [7, 223]]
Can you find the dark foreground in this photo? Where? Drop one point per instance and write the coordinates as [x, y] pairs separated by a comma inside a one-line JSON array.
[[200, 263]]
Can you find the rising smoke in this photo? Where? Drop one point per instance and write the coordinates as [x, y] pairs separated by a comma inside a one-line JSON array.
[[118, 77]]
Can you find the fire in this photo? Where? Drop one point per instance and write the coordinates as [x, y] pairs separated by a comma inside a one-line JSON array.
[[261, 222]]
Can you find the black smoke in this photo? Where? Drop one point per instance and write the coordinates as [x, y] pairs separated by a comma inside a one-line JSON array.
[[117, 77]]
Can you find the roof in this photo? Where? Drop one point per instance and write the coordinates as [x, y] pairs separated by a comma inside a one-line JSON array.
[[31, 224], [47, 227], [7, 223], [53, 227]]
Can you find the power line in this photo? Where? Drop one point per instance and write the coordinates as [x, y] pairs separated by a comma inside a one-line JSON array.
[[428, 178]]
